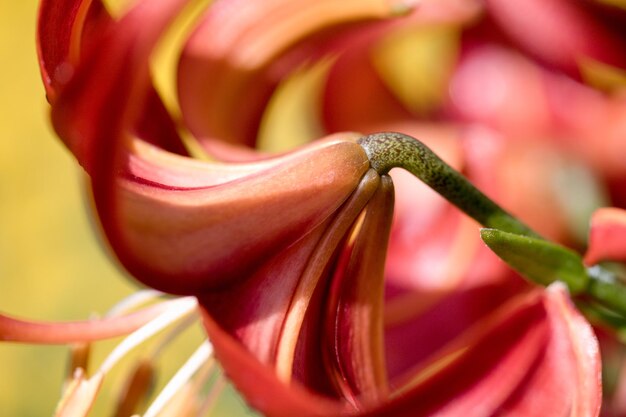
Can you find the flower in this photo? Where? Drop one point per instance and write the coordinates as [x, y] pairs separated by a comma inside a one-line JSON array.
[[286, 254]]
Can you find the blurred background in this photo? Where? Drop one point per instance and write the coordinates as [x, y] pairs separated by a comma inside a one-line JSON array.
[[52, 266]]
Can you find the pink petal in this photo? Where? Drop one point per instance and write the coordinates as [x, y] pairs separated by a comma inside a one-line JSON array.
[[426, 327], [536, 356], [480, 370], [607, 237], [584, 114], [27, 331], [499, 88], [559, 32], [163, 234], [570, 370]]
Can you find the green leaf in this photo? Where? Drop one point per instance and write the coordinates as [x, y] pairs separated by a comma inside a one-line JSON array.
[[538, 260]]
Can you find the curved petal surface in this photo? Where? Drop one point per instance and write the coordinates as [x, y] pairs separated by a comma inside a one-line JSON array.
[[607, 237]]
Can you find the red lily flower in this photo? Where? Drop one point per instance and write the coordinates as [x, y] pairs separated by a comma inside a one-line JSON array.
[[286, 253]]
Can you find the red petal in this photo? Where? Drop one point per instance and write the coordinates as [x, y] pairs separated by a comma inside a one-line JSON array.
[[68, 33], [355, 306], [300, 352], [188, 240], [259, 384], [254, 310], [266, 311], [607, 237], [350, 95], [60, 37], [536, 356], [108, 91]]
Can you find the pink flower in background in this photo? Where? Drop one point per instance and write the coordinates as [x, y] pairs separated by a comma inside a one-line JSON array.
[[607, 243]]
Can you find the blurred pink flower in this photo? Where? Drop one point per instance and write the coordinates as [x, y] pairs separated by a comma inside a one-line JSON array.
[[607, 243]]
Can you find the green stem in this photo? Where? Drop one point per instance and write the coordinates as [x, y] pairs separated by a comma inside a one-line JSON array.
[[395, 150]]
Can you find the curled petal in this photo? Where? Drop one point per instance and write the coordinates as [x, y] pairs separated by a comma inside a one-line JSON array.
[[60, 37], [266, 311], [90, 76], [513, 364], [380, 89], [607, 237], [12, 329], [299, 354], [186, 240], [355, 305], [571, 369], [97, 110], [226, 73], [416, 326]]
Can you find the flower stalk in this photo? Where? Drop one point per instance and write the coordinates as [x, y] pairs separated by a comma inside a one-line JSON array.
[[396, 150], [518, 245]]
